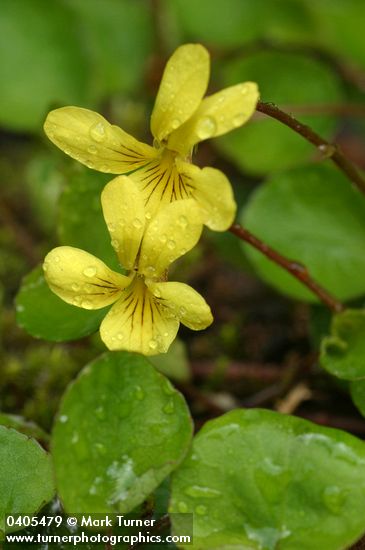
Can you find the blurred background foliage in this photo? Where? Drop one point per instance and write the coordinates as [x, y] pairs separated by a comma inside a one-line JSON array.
[[108, 55]]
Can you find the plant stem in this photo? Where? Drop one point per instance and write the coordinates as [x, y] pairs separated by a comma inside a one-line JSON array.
[[296, 269], [328, 150]]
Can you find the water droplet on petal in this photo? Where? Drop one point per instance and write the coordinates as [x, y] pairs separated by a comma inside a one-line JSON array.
[[97, 132], [182, 221], [56, 259], [90, 271], [239, 119], [137, 223], [206, 127], [86, 304], [115, 244], [171, 244], [175, 123], [75, 287], [152, 344], [92, 149]]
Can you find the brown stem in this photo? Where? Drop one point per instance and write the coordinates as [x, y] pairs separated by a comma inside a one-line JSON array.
[[328, 150], [296, 269]]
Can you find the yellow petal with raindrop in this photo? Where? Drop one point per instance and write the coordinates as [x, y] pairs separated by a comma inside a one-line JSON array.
[[89, 138], [185, 303], [174, 230], [138, 323], [125, 218], [184, 83], [213, 193], [81, 279], [217, 114]]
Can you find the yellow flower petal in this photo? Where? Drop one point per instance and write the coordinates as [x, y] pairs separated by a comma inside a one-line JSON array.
[[81, 279], [138, 323], [125, 217], [217, 114], [87, 137], [184, 83], [212, 191], [160, 183], [184, 302], [174, 231]]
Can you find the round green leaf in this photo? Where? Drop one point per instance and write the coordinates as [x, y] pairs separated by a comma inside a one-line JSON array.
[[121, 430], [314, 216], [26, 477], [343, 352], [41, 313], [256, 479], [81, 221], [42, 62], [264, 144]]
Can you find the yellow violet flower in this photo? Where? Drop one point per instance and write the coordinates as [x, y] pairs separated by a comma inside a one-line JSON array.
[[147, 309], [181, 118]]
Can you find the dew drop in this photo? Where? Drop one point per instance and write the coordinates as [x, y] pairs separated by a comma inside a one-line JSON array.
[[182, 507], [150, 270], [92, 149], [120, 336], [239, 119], [115, 244], [97, 132], [101, 449], [57, 259], [152, 344], [171, 244], [63, 418], [86, 304], [206, 127], [157, 293], [201, 510], [137, 223], [169, 407], [175, 123], [111, 227], [100, 412], [182, 221], [139, 393], [333, 498], [90, 271], [75, 287], [163, 238]]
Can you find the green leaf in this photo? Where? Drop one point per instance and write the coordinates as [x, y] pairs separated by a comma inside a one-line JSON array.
[[24, 426], [314, 216], [174, 363], [81, 221], [207, 21], [42, 62], [121, 430], [264, 144], [26, 477], [41, 313], [260, 480], [118, 36], [343, 352]]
